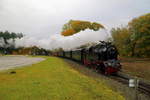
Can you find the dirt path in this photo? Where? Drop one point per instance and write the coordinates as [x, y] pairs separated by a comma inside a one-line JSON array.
[[8, 62]]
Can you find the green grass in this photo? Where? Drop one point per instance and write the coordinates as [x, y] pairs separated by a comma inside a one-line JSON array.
[[52, 79]]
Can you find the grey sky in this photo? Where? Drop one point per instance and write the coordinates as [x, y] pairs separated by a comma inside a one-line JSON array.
[[43, 18]]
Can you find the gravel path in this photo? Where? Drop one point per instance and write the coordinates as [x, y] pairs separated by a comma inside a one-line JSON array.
[[8, 62]]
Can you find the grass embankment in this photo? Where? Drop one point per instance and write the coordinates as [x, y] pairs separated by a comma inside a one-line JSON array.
[[52, 79], [139, 67]]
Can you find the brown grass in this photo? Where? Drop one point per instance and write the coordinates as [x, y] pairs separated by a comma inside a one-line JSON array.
[[139, 67]]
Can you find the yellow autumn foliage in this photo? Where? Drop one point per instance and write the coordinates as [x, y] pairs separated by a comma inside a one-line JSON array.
[[75, 26], [68, 32]]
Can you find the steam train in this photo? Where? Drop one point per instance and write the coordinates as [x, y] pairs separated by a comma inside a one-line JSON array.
[[102, 57]]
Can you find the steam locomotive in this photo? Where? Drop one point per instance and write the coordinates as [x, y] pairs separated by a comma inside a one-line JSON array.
[[102, 57]]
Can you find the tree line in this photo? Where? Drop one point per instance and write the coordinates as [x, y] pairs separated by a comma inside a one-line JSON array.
[[133, 39], [8, 47], [33, 50]]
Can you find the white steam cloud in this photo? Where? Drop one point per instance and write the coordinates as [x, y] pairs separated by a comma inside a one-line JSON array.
[[59, 41]]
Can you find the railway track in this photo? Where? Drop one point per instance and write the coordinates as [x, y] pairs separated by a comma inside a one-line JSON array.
[[143, 86]]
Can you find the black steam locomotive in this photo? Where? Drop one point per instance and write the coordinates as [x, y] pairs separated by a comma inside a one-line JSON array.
[[102, 57]]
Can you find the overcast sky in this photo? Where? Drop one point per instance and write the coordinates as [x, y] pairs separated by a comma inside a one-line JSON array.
[[43, 18]]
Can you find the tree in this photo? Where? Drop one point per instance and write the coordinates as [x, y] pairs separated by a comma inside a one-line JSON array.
[[6, 36], [75, 26], [121, 38], [96, 26], [140, 30], [68, 32], [134, 39], [6, 46]]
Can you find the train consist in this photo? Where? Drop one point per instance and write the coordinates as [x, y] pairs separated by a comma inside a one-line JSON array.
[[102, 57]]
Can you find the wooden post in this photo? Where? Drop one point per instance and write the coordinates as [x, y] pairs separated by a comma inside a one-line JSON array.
[[133, 83], [71, 54], [136, 88], [82, 54], [63, 53]]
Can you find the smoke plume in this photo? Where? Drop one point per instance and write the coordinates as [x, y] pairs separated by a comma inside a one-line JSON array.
[[59, 41]]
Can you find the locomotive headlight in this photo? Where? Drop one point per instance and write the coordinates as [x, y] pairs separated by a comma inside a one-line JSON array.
[[109, 64]]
